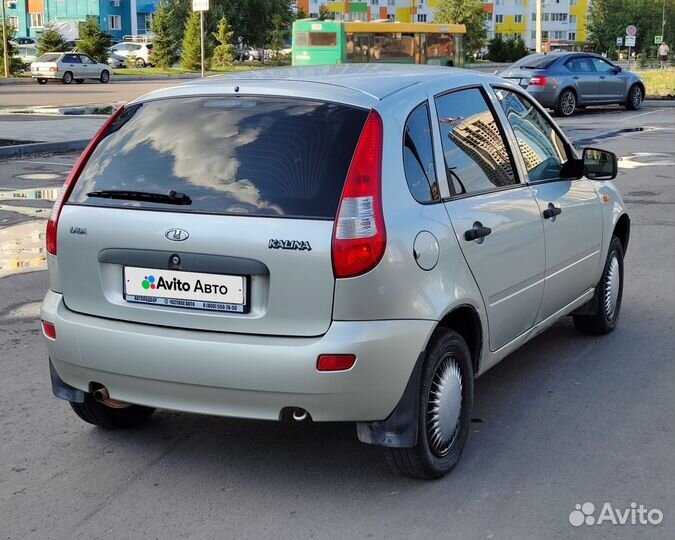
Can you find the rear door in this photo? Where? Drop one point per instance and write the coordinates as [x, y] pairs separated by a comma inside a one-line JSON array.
[[495, 218], [585, 78], [73, 64], [243, 244], [570, 207]]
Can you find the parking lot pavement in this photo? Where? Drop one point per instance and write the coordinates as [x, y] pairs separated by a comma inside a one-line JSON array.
[[35, 128], [565, 420]]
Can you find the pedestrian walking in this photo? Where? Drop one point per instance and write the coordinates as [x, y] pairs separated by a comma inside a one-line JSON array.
[[664, 50]]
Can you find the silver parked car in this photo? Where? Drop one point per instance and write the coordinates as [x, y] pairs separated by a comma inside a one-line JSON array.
[[339, 243], [565, 81], [68, 67]]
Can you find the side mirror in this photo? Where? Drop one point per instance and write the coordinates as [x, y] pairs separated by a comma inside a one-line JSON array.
[[600, 164], [618, 69]]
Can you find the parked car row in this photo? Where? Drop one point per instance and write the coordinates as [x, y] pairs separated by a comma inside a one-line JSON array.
[[567, 81]]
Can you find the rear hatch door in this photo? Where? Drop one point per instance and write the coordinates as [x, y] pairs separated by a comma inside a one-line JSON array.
[[211, 213]]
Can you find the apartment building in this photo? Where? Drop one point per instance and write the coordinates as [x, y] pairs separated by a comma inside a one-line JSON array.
[[117, 17], [561, 19]]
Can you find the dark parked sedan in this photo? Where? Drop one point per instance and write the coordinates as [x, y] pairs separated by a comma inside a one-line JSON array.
[[565, 81]]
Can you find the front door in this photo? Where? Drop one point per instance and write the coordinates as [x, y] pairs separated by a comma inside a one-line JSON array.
[[570, 208], [495, 217], [610, 85], [585, 78]]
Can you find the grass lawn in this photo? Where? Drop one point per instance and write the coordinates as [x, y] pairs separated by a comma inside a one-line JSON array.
[[659, 83]]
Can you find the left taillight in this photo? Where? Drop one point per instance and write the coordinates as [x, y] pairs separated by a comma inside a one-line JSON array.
[[359, 237], [53, 222], [538, 80]]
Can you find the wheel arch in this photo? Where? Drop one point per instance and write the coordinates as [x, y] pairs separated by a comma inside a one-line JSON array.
[[465, 320], [622, 231]]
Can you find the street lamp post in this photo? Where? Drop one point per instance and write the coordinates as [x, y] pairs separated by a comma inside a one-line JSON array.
[[538, 27], [5, 56]]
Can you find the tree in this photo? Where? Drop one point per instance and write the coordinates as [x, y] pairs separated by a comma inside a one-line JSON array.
[[277, 39], [608, 20], [164, 44], [15, 64], [223, 54], [192, 44], [466, 12], [93, 41], [50, 41]]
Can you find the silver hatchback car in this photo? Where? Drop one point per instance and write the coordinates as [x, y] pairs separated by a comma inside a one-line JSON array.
[[340, 243], [565, 81]]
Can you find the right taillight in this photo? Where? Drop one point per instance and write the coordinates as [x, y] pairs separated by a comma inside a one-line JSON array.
[[359, 237], [538, 80], [52, 223]]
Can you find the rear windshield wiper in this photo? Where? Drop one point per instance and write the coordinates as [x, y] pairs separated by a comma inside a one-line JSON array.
[[174, 197]]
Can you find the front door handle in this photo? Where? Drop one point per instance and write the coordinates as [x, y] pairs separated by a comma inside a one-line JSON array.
[[602, 76], [477, 232], [551, 211], [576, 77]]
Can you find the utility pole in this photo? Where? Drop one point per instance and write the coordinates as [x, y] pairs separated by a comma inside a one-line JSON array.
[[201, 34], [663, 19], [538, 27], [5, 56]]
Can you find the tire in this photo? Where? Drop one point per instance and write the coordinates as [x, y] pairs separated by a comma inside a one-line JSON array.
[[140, 63], [67, 77], [101, 415], [635, 97], [79, 81], [42, 81], [567, 103], [447, 370], [609, 293], [105, 76]]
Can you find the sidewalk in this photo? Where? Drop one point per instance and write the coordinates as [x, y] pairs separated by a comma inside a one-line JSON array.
[[50, 133]]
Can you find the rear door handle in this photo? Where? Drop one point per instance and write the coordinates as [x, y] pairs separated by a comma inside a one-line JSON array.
[[551, 211], [602, 76], [477, 232], [576, 77]]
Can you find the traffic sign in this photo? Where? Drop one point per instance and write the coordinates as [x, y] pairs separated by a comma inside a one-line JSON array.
[[200, 5], [631, 30], [619, 41], [630, 41], [658, 40]]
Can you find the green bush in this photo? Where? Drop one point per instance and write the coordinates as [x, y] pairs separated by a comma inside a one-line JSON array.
[[93, 41], [50, 41], [15, 64], [223, 54], [164, 43]]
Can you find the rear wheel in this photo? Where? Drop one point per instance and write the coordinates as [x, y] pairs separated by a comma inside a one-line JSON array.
[[67, 77], [42, 81], [446, 399], [608, 292], [105, 76], [567, 102], [93, 412], [635, 98], [140, 63]]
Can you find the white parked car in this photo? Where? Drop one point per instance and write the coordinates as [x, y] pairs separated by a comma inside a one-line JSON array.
[[27, 53], [142, 52], [68, 67]]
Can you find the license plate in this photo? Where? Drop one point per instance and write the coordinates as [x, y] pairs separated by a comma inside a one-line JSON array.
[[192, 290]]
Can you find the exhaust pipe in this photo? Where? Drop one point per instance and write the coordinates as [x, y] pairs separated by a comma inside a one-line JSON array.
[[101, 395], [299, 415]]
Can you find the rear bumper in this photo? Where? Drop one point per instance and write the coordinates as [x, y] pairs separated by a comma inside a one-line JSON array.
[[48, 75], [233, 374], [546, 97]]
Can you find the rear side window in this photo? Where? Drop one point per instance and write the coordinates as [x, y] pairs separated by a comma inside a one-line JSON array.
[[49, 57], [538, 62], [260, 156], [418, 157], [477, 158]]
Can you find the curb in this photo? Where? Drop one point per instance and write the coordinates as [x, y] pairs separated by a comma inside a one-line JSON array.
[[42, 147], [663, 102]]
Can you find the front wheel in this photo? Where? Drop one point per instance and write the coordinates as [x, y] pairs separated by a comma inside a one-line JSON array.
[[67, 77], [567, 103], [446, 400], [635, 98], [105, 77], [93, 412], [140, 63], [609, 293]]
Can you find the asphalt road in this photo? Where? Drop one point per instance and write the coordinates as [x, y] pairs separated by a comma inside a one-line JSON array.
[[567, 419]]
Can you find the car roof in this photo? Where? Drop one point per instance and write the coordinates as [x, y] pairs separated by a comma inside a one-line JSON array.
[[376, 81]]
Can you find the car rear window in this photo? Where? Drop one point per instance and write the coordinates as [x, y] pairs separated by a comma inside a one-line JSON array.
[[540, 62], [261, 156], [49, 57]]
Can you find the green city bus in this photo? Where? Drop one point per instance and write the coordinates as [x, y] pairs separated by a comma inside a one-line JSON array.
[[337, 42]]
